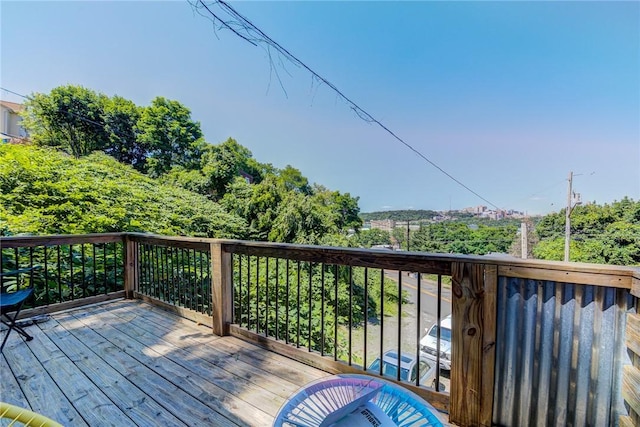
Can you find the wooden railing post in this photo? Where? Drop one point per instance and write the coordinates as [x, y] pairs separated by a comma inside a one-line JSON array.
[[473, 343], [221, 289], [130, 266], [631, 373]]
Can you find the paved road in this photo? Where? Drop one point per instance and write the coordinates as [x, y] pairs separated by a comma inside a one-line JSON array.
[[409, 337], [428, 298]]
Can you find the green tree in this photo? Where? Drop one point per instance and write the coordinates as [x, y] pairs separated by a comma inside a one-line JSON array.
[[120, 118], [172, 137], [43, 191], [293, 180], [69, 117], [219, 166], [372, 237], [607, 234]]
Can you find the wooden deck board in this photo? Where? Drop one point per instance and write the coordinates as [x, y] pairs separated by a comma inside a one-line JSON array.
[[139, 406], [207, 386], [128, 363], [10, 391], [35, 382], [95, 407], [219, 353], [191, 363]]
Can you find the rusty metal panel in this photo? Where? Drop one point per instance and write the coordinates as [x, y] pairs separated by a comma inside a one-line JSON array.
[[559, 353]]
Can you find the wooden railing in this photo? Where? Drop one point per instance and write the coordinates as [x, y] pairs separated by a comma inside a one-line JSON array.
[[69, 271], [339, 309], [631, 372]]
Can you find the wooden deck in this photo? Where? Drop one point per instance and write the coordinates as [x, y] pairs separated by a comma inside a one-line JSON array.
[[129, 363]]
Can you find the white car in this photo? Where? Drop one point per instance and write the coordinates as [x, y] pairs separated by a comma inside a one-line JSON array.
[[428, 343], [408, 368]]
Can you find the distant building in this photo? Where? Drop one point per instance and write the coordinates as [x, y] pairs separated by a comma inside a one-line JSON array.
[[478, 210], [383, 224], [10, 122]]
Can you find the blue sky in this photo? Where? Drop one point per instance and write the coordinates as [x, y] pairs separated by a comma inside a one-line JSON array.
[[507, 97]]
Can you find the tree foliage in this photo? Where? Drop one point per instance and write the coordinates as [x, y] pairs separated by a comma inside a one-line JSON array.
[[70, 117], [400, 215], [43, 191], [461, 238], [170, 135], [163, 141], [121, 118], [606, 234], [81, 121]]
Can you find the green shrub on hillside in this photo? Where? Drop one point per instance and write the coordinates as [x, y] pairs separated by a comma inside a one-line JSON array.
[[44, 191]]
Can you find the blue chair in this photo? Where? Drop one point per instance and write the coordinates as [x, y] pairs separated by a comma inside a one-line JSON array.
[[12, 302], [350, 399]]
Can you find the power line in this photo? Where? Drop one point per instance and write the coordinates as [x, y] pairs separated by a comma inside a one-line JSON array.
[[237, 23], [14, 93], [103, 126]]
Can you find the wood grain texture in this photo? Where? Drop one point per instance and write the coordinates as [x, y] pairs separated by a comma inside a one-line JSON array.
[[36, 384], [469, 405], [131, 266], [631, 387], [81, 391], [635, 286], [387, 260], [10, 391], [631, 373], [130, 363], [190, 386], [626, 421], [490, 318], [200, 244], [632, 333], [221, 290], [603, 278], [64, 239], [69, 305], [206, 354]]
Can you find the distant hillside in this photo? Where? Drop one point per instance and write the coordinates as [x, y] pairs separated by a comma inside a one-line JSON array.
[[401, 215], [44, 191]]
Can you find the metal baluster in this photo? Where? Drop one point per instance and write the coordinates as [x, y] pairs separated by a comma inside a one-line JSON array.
[[322, 311], [298, 307], [366, 313], [335, 312], [399, 322], [310, 301], [381, 319], [82, 283]]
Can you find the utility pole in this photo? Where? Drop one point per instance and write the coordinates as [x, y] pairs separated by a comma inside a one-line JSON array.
[[524, 248], [571, 196], [407, 235]]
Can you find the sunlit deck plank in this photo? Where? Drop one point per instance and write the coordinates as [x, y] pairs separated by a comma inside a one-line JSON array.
[[198, 361], [267, 370], [127, 362], [86, 397], [10, 391], [198, 390], [40, 390], [139, 404]]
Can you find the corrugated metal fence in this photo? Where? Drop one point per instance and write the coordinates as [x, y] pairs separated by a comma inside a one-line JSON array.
[[560, 349]]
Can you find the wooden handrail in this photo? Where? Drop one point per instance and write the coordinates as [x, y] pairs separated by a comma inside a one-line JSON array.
[[474, 287], [571, 272], [59, 239]]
